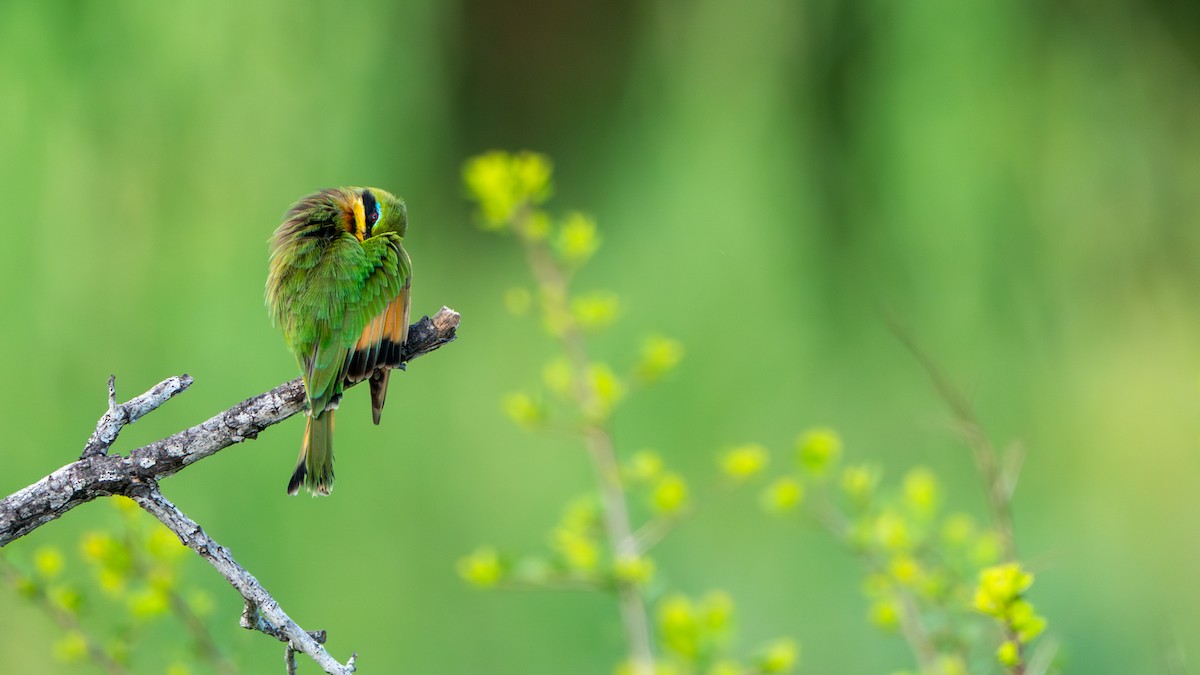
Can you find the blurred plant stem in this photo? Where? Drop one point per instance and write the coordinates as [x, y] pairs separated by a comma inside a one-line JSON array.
[[912, 626], [552, 280], [999, 474], [65, 618], [206, 646]]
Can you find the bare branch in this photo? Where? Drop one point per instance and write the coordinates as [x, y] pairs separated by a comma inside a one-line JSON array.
[[282, 627], [118, 416], [99, 474]]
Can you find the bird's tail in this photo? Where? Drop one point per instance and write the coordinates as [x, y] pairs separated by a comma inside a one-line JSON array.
[[314, 469], [379, 382]]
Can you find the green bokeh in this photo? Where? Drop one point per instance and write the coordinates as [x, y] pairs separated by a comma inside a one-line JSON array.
[[1017, 182]]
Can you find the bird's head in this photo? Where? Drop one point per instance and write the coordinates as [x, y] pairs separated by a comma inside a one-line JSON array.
[[377, 211]]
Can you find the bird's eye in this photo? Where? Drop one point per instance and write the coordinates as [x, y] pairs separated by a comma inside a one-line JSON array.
[[370, 207]]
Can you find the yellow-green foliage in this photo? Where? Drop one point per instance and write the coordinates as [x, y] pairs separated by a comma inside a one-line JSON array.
[[744, 461], [121, 580], [1000, 595], [481, 568], [921, 561], [577, 391]]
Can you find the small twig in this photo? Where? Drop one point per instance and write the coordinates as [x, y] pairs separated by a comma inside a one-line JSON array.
[[252, 620], [117, 416], [999, 479], [549, 583], [149, 498], [1042, 657], [916, 634], [648, 535]]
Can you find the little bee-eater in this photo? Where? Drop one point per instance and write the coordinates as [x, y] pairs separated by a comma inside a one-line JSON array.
[[338, 286]]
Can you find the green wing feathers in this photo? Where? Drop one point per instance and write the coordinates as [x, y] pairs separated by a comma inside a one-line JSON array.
[[343, 307], [324, 311]]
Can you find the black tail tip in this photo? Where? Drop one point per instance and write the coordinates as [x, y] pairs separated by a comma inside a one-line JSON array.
[[319, 488], [297, 479]]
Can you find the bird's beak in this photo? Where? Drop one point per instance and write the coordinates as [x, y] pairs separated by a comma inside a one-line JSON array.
[[360, 219]]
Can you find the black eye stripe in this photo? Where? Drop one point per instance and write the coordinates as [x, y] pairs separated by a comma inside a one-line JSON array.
[[370, 209]]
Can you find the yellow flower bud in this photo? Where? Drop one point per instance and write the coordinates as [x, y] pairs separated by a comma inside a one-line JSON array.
[[783, 495], [779, 657], [951, 665], [531, 174], [481, 568], [582, 514], [670, 495], [660, 355], [558, 378], [489, 181], [678, 627], [98, 547], [596, 310], [1025, 621], [859, 482], [644, 466], [634, 569], [577, 239], [523, 410], [1005, 582], [818, 450], [65, 598], [48, 561], [71, 648], [885, 614], [1009, 653], [892, 532], [716, 611], [578, 550], [905, 570], [744, 461], [921, 492], [147, 603], [606, 387]]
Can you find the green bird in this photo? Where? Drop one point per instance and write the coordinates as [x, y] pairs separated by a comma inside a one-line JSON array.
[[338, 286]]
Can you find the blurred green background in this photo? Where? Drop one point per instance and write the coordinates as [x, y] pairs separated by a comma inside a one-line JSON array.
[[1017, 181]]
